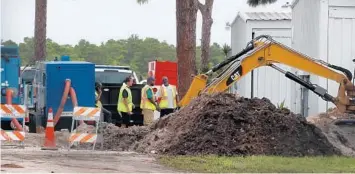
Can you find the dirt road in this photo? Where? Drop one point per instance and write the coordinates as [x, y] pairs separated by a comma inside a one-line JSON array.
[[77, 161]]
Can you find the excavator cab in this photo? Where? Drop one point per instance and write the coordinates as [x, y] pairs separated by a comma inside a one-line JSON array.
[[264, 51]]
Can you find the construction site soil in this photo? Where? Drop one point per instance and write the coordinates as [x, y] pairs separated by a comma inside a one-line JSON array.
[[225, 124], [341, 136], [110, 138], [116, 138]]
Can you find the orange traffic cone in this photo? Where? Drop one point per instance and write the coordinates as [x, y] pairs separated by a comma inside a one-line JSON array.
[[49, 142]]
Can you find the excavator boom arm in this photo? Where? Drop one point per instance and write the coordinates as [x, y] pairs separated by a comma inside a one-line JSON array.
[[267, 52]]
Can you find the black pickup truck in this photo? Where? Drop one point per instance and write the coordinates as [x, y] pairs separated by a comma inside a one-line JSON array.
[[111, 78]]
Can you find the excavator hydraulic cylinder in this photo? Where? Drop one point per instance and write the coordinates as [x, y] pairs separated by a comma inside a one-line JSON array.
[[315, 88], [227, 61]]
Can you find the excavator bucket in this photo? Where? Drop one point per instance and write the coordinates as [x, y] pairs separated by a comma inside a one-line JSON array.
[[198, 83]]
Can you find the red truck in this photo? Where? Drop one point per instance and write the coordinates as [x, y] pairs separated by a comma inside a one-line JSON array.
[[159, 69]]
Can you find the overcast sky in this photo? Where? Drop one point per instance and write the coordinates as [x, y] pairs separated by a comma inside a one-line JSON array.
[[68, 21]]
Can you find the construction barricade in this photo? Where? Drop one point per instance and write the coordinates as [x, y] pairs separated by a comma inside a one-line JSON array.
[[84, 114], [13, 111]]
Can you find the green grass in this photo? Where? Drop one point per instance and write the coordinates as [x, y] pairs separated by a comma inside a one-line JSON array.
[[259, 164]]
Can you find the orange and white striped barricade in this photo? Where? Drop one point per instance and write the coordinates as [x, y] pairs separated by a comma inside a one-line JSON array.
[[84, 114], [13, 111]]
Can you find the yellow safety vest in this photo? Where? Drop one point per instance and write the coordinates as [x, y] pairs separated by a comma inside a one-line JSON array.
[[98, 102], [121, 106], [164, 103], [145, 103]]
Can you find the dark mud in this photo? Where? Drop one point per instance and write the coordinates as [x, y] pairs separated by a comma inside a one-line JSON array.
[[341, 136], [225, 124]]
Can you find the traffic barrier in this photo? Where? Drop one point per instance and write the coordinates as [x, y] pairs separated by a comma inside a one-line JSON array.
[[50, 142], [12, 135], [14, 121], [83, 137], [84, 114], [14, 112]]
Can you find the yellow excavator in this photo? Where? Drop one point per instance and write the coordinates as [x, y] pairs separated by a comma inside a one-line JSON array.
[[264, 51]]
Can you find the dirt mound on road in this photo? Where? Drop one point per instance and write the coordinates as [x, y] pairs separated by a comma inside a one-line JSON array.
[[227, 125], [341, 136], [115, 138], [121, 139]]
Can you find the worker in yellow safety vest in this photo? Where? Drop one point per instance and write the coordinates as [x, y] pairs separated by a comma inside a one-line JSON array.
[[125, 103], [148, 102], [168, 97], [98, 92]]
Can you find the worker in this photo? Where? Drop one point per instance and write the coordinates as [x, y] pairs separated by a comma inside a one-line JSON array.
[[125, 104], [168, 99], [148, 102], [98, 92]]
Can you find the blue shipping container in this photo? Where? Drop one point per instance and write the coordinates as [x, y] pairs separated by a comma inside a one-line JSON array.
[[82, 76]]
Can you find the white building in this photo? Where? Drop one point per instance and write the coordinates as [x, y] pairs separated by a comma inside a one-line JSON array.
[[267, 82], [324, 29]]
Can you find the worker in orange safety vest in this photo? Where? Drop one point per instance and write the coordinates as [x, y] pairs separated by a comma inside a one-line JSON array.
[[167, 97]]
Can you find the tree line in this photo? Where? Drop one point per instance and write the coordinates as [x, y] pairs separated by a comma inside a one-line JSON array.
[[186, 14], [134, 51], [186, 18]]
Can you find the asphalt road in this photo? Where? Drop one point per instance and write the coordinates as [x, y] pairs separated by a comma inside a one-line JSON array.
[[77, 161]]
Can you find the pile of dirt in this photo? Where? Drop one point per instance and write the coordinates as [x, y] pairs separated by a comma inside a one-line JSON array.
[[121, 139], [341, 136], [225, 124], [114, 138], [329, 117]]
